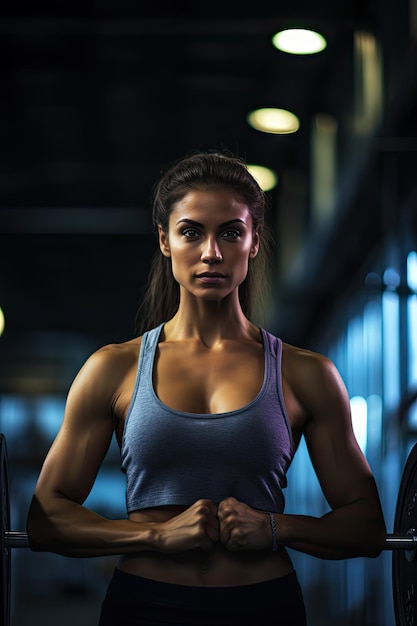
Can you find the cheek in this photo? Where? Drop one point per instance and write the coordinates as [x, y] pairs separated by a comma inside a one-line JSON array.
[[181, 258], [182, 253], [247, 250]]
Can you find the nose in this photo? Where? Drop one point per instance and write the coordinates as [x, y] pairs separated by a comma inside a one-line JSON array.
[[211, 252]]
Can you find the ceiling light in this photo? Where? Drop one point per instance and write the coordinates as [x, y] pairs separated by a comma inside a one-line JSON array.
[[276, 121], [299, 41], [266, 178]]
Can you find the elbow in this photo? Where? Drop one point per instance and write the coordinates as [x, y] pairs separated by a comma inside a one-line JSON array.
[[373, 552], [38, 528], [372, 530], [36, 538], [375, 540], [380, 545], [36, 546]]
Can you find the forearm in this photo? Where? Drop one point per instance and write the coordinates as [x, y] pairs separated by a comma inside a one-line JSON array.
[[350, 531], [70, 529]]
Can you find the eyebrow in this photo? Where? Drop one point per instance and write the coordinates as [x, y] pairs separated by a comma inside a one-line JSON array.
[[194, 223]]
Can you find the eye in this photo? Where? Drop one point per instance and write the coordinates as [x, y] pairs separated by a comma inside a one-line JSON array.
[[189, 233], [231, 233]]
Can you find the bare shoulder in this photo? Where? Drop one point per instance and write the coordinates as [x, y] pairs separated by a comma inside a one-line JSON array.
[[106, 370], [300, 360], [312, 376], [120, 350], [114, 356]]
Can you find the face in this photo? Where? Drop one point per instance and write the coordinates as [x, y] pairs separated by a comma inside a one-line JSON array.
[[210, 241]]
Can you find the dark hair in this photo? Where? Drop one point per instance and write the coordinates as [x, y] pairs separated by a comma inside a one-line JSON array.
[[203, 170]]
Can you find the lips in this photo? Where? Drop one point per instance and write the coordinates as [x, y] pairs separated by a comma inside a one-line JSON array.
[[211, 277]]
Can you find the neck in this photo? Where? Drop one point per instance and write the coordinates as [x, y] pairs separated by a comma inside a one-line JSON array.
[[210, 322]]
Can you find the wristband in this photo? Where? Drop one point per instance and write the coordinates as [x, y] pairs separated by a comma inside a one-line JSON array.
[[274, 532]]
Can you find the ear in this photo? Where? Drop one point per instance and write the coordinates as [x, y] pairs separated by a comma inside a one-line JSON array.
[[255, 245], [163, 241]]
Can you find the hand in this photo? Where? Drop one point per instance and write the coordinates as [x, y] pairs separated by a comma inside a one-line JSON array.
[[243, 528], [196, 527]]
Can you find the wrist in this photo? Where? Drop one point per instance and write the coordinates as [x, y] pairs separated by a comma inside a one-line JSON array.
[[274, 532]]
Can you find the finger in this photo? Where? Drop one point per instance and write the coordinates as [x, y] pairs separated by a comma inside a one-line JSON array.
[[224, 532], [207, 509], [213, 533]]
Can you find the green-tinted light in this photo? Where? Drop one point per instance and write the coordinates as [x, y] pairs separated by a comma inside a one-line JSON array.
[[299, 41], [266, 178], [276, 121]]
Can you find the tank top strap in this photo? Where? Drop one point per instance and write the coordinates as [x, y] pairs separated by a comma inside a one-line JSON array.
[[275, 349], [150, 339], [273, 344]]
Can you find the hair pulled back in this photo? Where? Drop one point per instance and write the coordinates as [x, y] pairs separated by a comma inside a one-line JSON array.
[[199, 171]]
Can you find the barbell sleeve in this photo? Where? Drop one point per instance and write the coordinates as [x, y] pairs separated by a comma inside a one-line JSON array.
[[19, 539], [16, 539], [399, 542]]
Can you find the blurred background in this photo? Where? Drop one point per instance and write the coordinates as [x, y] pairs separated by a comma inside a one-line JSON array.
[[96, 100]]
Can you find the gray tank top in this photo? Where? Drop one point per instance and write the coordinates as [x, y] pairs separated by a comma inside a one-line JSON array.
[[175, 458]]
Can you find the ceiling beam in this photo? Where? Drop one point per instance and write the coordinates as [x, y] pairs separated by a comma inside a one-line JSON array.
[[76, 220]]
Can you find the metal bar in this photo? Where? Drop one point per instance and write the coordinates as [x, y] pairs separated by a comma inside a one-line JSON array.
[[19, 539], [398, 542], [16, 539]]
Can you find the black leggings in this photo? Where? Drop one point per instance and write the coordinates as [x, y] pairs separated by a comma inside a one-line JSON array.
[[135, 601]]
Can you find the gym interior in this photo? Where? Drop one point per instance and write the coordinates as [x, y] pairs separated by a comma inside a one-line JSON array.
[[95, 100]]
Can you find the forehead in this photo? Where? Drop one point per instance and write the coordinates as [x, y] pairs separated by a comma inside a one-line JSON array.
[[212, 203]]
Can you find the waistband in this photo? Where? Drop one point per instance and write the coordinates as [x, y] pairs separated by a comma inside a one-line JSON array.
[[266, 593]]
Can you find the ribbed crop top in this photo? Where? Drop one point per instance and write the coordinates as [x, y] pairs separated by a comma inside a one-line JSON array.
[[175, 458]]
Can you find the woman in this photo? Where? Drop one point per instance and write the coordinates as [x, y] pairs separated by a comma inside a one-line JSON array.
[[208, 409]]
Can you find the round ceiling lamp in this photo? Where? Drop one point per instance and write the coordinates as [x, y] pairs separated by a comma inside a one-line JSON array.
[[265, 177], [275, 121], [299, 41], [2, 322]]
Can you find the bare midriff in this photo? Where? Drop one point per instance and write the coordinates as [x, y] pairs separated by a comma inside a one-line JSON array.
[[217, 567]]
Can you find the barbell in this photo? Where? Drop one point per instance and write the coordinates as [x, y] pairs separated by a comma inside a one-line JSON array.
[[402, 542]]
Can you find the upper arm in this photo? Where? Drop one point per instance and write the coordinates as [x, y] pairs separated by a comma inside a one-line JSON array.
[[340, 465], [81, 444]]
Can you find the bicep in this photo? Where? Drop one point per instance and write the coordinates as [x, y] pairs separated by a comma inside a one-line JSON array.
[[341, 467], [81, 444]]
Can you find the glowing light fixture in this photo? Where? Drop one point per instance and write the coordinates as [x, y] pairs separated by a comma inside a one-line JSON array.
[[266, 178], [2, 322], [391, 277], [299, 41], [359, 409], [412, 270], [276, 121]]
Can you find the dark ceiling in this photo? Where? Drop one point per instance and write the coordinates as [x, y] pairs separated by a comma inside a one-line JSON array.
[[97, 98]]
